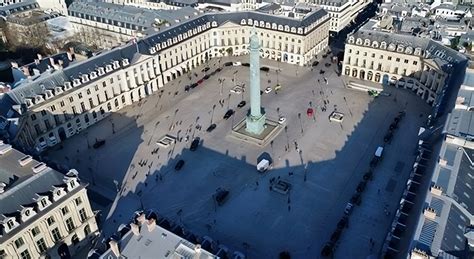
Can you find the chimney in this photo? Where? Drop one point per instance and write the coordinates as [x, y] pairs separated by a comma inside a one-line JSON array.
[[37, 61], [114, 247], [14, 64], [69, 56], [151, 225], [51, 60], [141, 219], [60, 63], [71, 50], [135, 229], [25, 71], [40, 57]]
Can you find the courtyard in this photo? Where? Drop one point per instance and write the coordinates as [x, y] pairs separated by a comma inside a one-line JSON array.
[[323, 160]]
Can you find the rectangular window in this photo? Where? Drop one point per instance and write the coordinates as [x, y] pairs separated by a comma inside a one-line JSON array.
[[71, 99], [88, 91], [33, 117], [43, 112], [35, 231], [51, 220], [56, 235], [62, 103], [74, 110], [398, 59], [78, 200], [25, 254], [69, 224], [406, 61], [65, 210], [19, 242], [79, 95], [47, 124], [53, 108], [389, 58], [82, 214], [415, 63], [37, 129], [41, 245]]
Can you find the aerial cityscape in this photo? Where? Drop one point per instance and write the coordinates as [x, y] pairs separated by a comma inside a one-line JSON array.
[[236, 129]]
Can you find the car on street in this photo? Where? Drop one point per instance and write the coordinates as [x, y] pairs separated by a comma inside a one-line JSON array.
[[179, 165], [236, 90], [193, 85], [228, 114], [206, 77], [205, 69], [98, 143], [343, 222], [228, 64], [200, 81], [268, 90], [246, 64], [356, 199], [186, 88], [236, 64], [218, 70], [348, 208], [213, 73], [277, 87], [195, 144], [265, 69], [242, 104], [310, 112], [281, 120], [361, 186], [321, 72], [211, 127], [315, 63]]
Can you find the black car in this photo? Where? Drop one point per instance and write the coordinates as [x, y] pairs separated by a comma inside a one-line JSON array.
[[186, 88], [195, 144], [246, 64], [361, 186], [221, 196], [193, 85], [321, 71], [218, 69], [179, 165], [261, 92], [242, 104], [211, 127], [265, 69], [228, 64], [356, 199], [206, 77], [343, 223], [228, 114], [205, 69], [327, 64], [212, 73], [315, 63], [98, 143]]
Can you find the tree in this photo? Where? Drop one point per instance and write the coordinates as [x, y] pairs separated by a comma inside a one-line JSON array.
[[467, 45], [454, 43], [229, 51]]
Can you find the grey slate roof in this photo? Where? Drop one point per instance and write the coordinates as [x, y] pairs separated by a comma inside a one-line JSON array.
[[453, 236], [464, 181], [23, 184], [18, 7], [49, 80]]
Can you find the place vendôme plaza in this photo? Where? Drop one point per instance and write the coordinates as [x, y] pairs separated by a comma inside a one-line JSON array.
[[236, 129]]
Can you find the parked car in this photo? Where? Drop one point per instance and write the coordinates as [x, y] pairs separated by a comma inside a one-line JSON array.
[[193, 85], [186, 88], [195, 144], [321, 72], [348, 208], [361, 186], [228, 64], [221, 196], [268, 90], [310, 112], [179, 165], [277, 87], [281, 120], [211, 127], [218, 70], [265, 69], [356, 199], [242, 104], [228, 114], [200, 81], [206, 77], [246, 64], [315, 63], [343, 222], [236, 64], [205, 69], [98, 143]]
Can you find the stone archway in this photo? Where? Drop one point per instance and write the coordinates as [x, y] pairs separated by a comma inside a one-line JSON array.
[[370, 75], [347, 71], [362, 74], [377, 77], [354, 72]]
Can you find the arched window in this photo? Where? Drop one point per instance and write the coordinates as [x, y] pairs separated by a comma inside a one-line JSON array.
[[87, 230]]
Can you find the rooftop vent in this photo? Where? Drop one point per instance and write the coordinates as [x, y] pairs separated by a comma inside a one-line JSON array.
[[67, 85], [4, 148], [430, 213], [101, 70], [39, 167], [2, 187], [25, 160]]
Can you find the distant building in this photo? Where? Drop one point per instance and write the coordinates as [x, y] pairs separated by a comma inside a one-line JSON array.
[[445, 228], [43, 213], [342, 12], [145, 238], [420, 64], [50, 5]]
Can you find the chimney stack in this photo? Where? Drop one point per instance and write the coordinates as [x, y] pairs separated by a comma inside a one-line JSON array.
[[114, 247], [151, 225], [26, 71], [135, 229], [40, 57]]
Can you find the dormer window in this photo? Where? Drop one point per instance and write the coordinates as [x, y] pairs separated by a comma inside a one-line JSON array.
[[108, 68], [10, 223], [125, 62]]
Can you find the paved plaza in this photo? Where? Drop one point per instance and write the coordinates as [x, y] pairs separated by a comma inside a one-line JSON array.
[[322, 160]]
